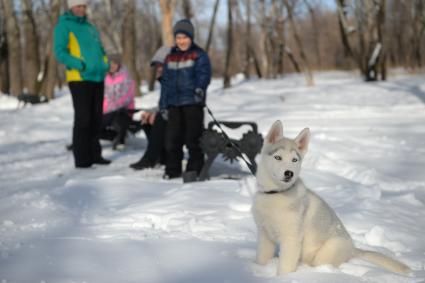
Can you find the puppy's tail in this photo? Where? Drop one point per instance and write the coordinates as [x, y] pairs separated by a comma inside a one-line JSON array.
[[383, 261]]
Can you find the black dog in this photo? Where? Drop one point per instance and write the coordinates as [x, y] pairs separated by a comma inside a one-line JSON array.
[[26, 98]]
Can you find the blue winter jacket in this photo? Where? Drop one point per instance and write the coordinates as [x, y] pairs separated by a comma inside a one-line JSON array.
[[183, 72]]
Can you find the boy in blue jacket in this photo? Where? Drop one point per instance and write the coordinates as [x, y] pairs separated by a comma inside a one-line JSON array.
[[186, 76]]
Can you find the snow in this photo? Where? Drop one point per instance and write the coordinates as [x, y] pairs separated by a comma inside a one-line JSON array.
[[112, 224]]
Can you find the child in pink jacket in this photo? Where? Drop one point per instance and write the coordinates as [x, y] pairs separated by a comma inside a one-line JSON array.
[[118, 99], [119, 87]]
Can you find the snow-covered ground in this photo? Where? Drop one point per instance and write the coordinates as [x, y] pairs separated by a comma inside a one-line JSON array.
[[113, 224]]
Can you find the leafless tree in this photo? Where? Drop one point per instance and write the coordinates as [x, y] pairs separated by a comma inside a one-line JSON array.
[[369, 18], [212, 24], [227, 75], [268, 37], [187, 9], [299, 44], [4, 66], [247, 40], [418, 29], [50, 69], [32, 58], [14, 48], [109, 20], [315, 29], [293, 60], [129, 40], [250, 54], [370, 22], [405, 42], [345, 28], [167, 8], [263, 49], [381, 62]]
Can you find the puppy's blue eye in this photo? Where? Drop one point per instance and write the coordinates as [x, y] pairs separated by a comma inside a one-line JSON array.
[[294, 160], [277, 157]]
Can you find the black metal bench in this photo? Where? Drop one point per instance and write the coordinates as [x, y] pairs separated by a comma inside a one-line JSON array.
[[214, 143]]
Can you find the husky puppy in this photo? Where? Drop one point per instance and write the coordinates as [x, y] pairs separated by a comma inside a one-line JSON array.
[[296, 220]]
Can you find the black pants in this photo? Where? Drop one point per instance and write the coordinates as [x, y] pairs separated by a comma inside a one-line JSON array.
[[156, 151], [87, 99], [185, 127], [115, 125]]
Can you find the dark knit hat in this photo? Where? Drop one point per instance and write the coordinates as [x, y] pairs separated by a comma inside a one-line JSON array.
[[184, 26]]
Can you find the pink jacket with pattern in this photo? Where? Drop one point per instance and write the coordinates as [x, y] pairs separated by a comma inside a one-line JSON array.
[[119, 91]]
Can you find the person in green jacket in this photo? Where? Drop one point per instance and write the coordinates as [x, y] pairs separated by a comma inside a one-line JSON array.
[[77, 45]]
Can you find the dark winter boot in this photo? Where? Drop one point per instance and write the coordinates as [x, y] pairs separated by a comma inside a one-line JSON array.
[[169, 176], [142, 164], [190, 176], [102, 161]]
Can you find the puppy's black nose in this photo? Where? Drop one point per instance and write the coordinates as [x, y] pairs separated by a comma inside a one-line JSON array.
[[289, 174]]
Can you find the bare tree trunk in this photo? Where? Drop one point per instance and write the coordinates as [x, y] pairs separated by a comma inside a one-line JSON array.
[[308, 73], [32, 58], [50, 71], [268, 43], [187, 9], [418, 31], [382, 65], [167, 9], [344, 29], [273, 44], [14, 47], [238, 44], [129, 41], [315, 27], [227, 75], [263, 41], [247, 40], [370, 53], [399, 52], [256, 63], [112, 32], [251, 55], [277, 38], [371, 20], [4, 66], [292, 59], [212, 24], [362, 27], [280, 30]]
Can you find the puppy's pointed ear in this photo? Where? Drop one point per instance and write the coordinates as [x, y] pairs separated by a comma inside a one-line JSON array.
[[275, 132], [302, 140]]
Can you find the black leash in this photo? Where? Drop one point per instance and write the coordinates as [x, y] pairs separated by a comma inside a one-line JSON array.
[[235, 146], [226, 137]]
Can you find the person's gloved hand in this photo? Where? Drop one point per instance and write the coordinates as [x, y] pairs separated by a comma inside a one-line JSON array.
[[144, 117], [164, 114], [200, 92]]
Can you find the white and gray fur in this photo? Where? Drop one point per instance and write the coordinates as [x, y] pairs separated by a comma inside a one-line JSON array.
[[296, 220]]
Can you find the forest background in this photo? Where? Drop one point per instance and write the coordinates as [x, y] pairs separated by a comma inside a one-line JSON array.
[[262, 39]]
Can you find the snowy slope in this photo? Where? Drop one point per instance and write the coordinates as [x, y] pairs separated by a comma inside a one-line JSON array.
[[113, 224]]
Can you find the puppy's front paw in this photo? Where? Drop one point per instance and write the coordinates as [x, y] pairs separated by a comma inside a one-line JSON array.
[[262, 259], [282, 270]]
